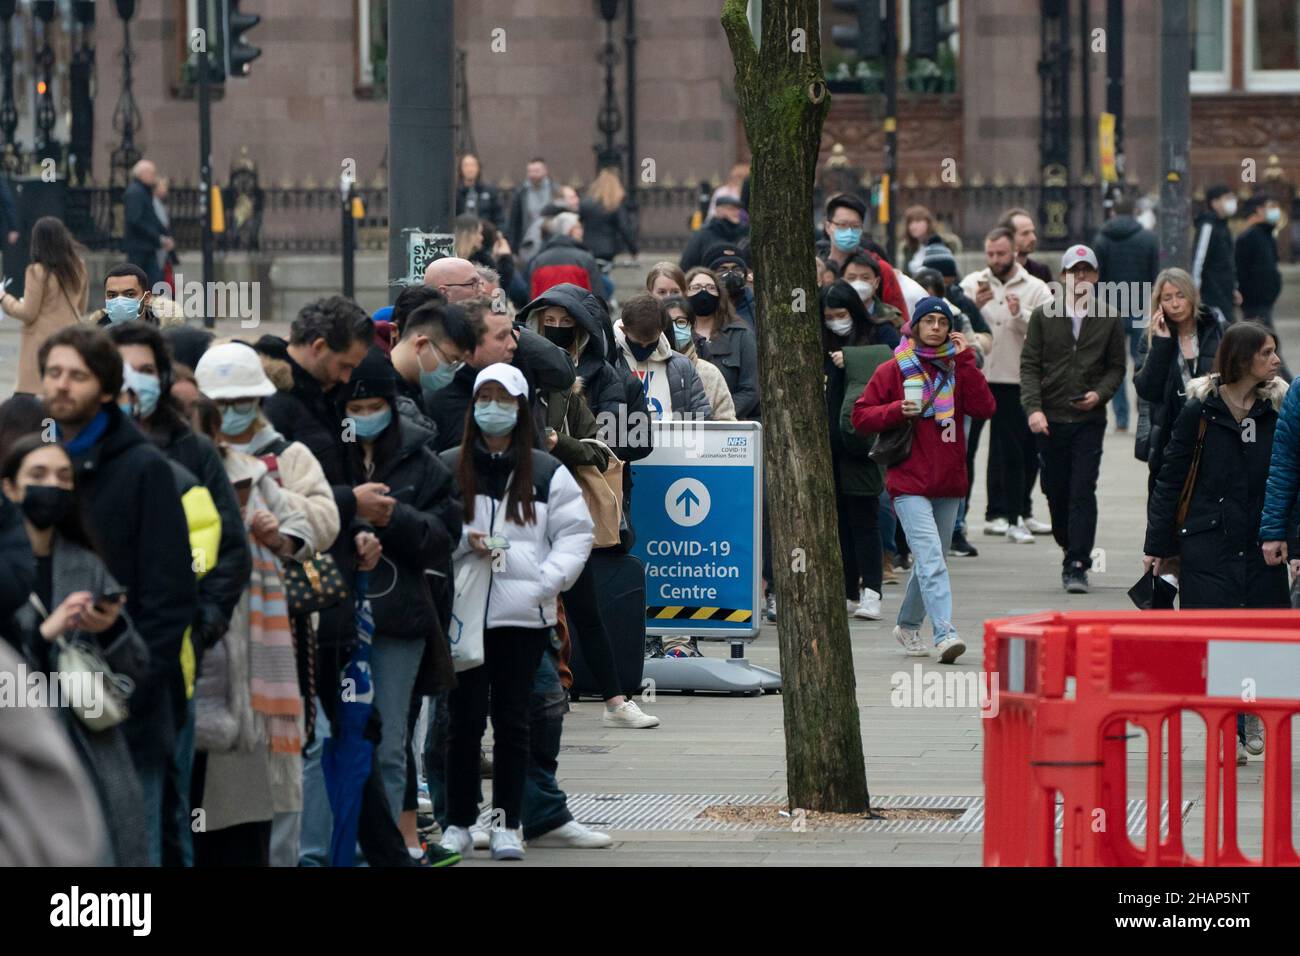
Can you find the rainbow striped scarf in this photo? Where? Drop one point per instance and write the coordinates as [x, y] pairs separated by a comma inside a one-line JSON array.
[[911, 359]]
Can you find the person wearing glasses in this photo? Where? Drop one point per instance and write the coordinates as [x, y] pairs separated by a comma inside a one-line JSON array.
[[726, 340], [436, 339], [456, 279]]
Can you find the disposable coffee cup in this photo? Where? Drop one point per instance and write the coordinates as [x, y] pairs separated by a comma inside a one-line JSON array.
[[913, 392]]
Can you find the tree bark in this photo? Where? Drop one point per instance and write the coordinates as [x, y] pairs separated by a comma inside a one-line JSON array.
[[784, 100]]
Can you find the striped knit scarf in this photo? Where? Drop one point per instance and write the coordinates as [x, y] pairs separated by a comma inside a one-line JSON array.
[[274, 669], [911, 360]]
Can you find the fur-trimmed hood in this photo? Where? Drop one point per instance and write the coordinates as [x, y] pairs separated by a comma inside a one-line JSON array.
[[1273, 391]]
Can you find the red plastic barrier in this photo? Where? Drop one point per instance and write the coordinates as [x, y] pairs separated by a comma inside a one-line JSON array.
[[1145, 667]]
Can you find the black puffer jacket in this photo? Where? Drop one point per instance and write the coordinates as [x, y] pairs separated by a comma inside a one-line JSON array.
[[223, 585], [480, 200], [715, 232], [1159, 381], [1213, 267], [128, 493], [410, 589], [1258, 276], [1222, 565], [1127, 253]]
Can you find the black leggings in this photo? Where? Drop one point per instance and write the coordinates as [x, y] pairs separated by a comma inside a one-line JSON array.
[[582, 608], [503, 686], [862, 514]]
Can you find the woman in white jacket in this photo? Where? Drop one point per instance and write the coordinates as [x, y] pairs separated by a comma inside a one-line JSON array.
[[526, 521]]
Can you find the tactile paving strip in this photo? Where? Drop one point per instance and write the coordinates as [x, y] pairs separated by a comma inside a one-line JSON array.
[[682, 811]]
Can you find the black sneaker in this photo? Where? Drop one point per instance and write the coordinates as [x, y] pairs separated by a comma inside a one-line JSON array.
[[961, 547], [1076, 579]]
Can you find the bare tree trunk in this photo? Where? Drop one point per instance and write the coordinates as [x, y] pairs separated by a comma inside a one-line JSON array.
[[784, 100]]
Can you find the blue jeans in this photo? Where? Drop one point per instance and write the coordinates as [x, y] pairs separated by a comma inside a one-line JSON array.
[[1120, 401], [179, 839], [394, 663], [545, 805], [317, 819], [888, 523], [153, 776], [928, 524]]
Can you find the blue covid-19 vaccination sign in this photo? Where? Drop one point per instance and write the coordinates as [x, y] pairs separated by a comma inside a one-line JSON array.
[[697, 511]]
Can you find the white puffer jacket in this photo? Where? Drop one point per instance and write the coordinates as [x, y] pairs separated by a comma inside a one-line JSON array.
[[544, 558]]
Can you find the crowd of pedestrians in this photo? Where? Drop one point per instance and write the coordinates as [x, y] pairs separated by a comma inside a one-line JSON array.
[[219, 530]]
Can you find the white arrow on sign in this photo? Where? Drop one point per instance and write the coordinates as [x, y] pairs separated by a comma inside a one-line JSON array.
[[687, 502]]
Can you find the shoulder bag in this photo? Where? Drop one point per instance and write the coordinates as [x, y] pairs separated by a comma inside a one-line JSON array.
[[895, 445]]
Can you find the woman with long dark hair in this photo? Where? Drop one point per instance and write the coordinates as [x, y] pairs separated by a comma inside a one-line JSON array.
[[726, 340], [75, 598], [55, 295], [1222, 445], [525, 518]]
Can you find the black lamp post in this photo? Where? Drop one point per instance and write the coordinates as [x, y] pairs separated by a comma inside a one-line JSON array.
[[46, 145], [126, 117], [8, 108], [81, 136], [610, 119]]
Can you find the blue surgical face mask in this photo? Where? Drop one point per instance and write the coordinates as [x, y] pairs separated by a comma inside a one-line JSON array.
[[147, 388], [495, 419], [1273, 215], [439, 378], [236, 421], [846, 240], [682, 333], [122, 309], [371, 426]]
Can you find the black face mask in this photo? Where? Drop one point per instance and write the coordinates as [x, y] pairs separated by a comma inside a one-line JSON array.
[[46, 505], [641, 352], [558, 335], [734, 283], [704, 302]]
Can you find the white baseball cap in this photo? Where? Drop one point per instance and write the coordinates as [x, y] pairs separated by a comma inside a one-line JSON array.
[[231, 371], [1076, 254], [507, 376]]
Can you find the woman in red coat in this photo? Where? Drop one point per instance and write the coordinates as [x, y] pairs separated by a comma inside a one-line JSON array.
[[938, 367]]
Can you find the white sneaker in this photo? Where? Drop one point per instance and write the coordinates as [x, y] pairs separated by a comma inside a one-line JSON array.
[[1037, 527], [457, 840], [950, 648], [998, 526], [507, 844], [868, 608], [1019, 534], [575, 836], [628, 715], [481, 830], [1241, 754], [1254, 735], [911, 641], [851, 605]]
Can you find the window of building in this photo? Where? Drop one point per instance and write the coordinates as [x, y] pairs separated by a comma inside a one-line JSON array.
[[1211, 46], [1272, 45], [372, 48]]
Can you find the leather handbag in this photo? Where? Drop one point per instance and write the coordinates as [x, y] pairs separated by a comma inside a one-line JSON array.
[[1189, 483], [313, 585], [603, 493], [894, 445]]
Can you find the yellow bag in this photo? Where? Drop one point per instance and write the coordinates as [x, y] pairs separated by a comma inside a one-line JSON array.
[[204, 523]]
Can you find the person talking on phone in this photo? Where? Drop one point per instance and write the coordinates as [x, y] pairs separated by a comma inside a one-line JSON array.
[[1072, 364], [75, 597], [931, 384], [525, 514]]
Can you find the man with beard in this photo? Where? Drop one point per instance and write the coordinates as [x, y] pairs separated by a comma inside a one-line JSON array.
[[1006, 294], [1025, 237]]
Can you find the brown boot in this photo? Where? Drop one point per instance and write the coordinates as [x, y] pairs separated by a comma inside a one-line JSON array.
[[888, 576]]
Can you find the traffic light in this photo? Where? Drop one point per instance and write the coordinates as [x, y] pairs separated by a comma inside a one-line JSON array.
[[923, 25], [238, 52], [864, 36]]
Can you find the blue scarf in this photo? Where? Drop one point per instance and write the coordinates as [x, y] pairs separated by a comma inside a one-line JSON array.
[[87, 437]]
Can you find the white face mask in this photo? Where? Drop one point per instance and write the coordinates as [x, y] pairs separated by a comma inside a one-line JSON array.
[[1147, 219], [840, 327], [865, 290], [1230, 207]]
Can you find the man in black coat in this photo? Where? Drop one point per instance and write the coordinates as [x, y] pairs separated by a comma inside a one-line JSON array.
[[144, 233], [726, 228], [1129, 255], [327, 341], [1213, 269], [135, 517], [1259, 280]]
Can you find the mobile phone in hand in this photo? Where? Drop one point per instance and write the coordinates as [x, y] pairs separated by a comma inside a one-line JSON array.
[[1078, 398]]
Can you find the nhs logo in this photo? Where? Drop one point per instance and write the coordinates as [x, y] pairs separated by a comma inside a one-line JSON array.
[[737, 441]]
